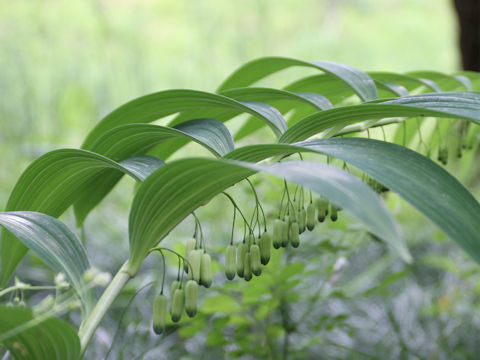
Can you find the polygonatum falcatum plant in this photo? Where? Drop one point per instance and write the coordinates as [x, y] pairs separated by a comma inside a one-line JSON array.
[[316, 138]]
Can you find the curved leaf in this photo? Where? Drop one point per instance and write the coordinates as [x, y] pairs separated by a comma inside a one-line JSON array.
[[336, 91], [54, 243], [139, 166], [472, 76], [30, 338], [283, 101], [447, 105], [257, 69], [444, 81], [50, 185], [327, 85], [388, 84], [154, 106], [394, 89], [133, 139], [420, 181], [172, 192], [266, 95], [411, 83]]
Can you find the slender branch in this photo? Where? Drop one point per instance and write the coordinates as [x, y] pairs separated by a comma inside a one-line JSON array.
[[240, 211], [180, 257], [27, 288], [123, 314], [88, 327], [259, 205]]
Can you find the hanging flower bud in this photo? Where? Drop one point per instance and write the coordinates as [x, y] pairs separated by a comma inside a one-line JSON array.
[[230, 262], [159, 313], [310, 216], [241, 251], [247, 271], [191, 298], [255, 260], [277, 233], [265, 244], [206, 270], [295, 239], [322, 207], [178, 303], [190, 246]]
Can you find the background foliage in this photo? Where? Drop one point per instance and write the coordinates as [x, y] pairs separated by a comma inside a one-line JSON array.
[[80, 59]]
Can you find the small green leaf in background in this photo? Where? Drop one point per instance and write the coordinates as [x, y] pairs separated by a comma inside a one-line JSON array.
[[30, 338], [220, 303]]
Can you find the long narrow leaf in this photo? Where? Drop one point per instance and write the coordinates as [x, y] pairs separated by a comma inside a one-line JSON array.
[[267, 95], [447, 105], [411, 83], [444, 81], [282, 100], [257, 69], [133, 139], [154, 106]]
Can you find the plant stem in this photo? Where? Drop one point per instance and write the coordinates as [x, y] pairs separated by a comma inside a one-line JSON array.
[[87, 329]]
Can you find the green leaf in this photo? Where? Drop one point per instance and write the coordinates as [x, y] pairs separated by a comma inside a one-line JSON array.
[[411, 83], [133, 139], [328, 85], [37, 338], [220, 303], [448, 105], [290, 270], [257, 69], [50, 185], [282, 100], [385, 283], [444, 81], [140, 166], [54, 243], [175, 190], [129, 140], [97, 187], [388, 84], [267, 95], [420, 181], [154, 106], [472, 76], [394, 89]]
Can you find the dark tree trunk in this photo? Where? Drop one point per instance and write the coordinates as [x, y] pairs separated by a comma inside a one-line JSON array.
[[468, 12]]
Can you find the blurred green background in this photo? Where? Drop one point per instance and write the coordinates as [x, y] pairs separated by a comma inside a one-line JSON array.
[[66, 64]]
